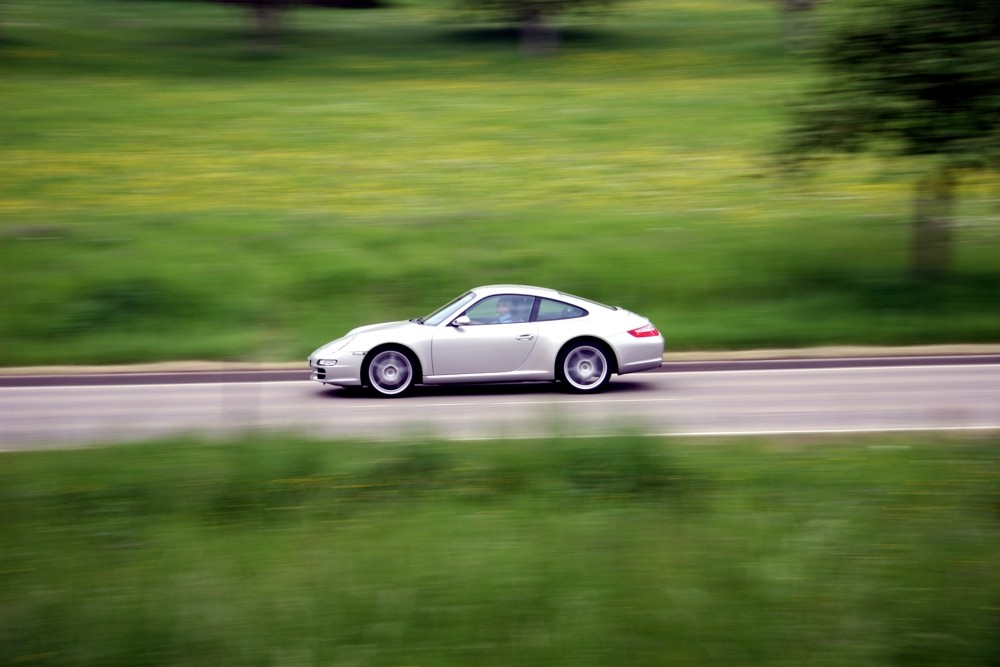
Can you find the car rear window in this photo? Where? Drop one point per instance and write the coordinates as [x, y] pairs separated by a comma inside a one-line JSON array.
[[550, 309]]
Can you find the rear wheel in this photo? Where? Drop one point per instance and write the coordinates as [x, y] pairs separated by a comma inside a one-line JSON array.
[[390, 372], [584, 367]]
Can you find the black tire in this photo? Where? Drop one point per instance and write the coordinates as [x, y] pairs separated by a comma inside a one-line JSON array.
[[390, 372], [584, 367]]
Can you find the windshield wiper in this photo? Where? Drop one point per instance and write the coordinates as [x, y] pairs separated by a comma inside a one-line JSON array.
[[417, 320]]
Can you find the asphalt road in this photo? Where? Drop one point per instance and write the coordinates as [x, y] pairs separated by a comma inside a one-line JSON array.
[[807, 396]]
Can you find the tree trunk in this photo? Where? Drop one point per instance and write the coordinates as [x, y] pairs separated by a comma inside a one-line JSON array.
[[268, 19], [797, 24], [932, 225], [537, 38]]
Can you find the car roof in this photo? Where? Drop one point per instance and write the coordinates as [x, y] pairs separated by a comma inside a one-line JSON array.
[[485, 290], [489, 290]]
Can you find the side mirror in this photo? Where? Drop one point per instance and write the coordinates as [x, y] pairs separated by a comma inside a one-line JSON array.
[[462, 321]]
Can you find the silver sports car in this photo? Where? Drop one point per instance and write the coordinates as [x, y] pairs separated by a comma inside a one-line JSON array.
[[496, 333]]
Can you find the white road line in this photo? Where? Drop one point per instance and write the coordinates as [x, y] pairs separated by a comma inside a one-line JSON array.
[[162, 385], [904, 367], [831, 431], [740, 434], [466, 404]]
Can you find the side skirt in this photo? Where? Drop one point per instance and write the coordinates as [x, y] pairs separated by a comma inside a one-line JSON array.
[[476, 378]]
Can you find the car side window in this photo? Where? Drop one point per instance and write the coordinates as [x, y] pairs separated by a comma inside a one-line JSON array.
[[550, 309], [501, 309]]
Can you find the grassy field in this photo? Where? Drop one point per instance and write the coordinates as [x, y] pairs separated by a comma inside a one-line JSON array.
[[171, 190], [625, 551]]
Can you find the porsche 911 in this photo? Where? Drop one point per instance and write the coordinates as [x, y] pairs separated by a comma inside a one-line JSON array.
[[495, 333]]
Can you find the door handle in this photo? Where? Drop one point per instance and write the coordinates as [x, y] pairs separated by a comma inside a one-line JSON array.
[[526, 337]]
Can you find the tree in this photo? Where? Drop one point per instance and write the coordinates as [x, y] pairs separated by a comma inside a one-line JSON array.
[[266, 15], [914, 79], [797, 18], [532, 18]]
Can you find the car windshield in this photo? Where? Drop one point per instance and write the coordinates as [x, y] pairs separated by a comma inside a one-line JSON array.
[[446, 311]]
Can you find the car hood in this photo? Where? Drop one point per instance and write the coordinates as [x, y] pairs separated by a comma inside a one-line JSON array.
[[384, 326], [336, 345]]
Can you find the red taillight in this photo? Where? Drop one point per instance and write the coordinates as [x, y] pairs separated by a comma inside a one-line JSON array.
[[645, 331]]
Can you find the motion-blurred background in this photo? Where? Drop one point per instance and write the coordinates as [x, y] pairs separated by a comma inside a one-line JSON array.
[[246, 180], [195, 180]]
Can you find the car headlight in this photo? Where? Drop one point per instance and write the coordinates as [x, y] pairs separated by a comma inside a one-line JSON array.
[[326, 362]]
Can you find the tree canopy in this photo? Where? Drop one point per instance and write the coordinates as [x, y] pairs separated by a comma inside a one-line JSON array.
[[915, 79], [922, 74]]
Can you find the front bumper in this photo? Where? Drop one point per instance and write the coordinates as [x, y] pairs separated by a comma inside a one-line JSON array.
[[346, 373]]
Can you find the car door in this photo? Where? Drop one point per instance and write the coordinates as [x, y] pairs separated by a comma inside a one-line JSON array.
[[491, 343]]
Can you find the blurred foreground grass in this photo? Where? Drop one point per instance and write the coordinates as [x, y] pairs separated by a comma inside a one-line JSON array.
[[614, 551], [171, 191]]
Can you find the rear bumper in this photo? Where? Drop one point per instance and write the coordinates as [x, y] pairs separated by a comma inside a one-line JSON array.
[[637, 354], [644, 365]]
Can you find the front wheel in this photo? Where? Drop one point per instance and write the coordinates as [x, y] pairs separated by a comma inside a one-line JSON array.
[[390, 372], [584, 368]]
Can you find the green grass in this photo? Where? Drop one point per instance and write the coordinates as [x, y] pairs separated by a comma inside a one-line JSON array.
[[172, 190], [615, 551]]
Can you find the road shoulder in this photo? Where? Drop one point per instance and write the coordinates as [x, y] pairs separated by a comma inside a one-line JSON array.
[[791, 354]]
